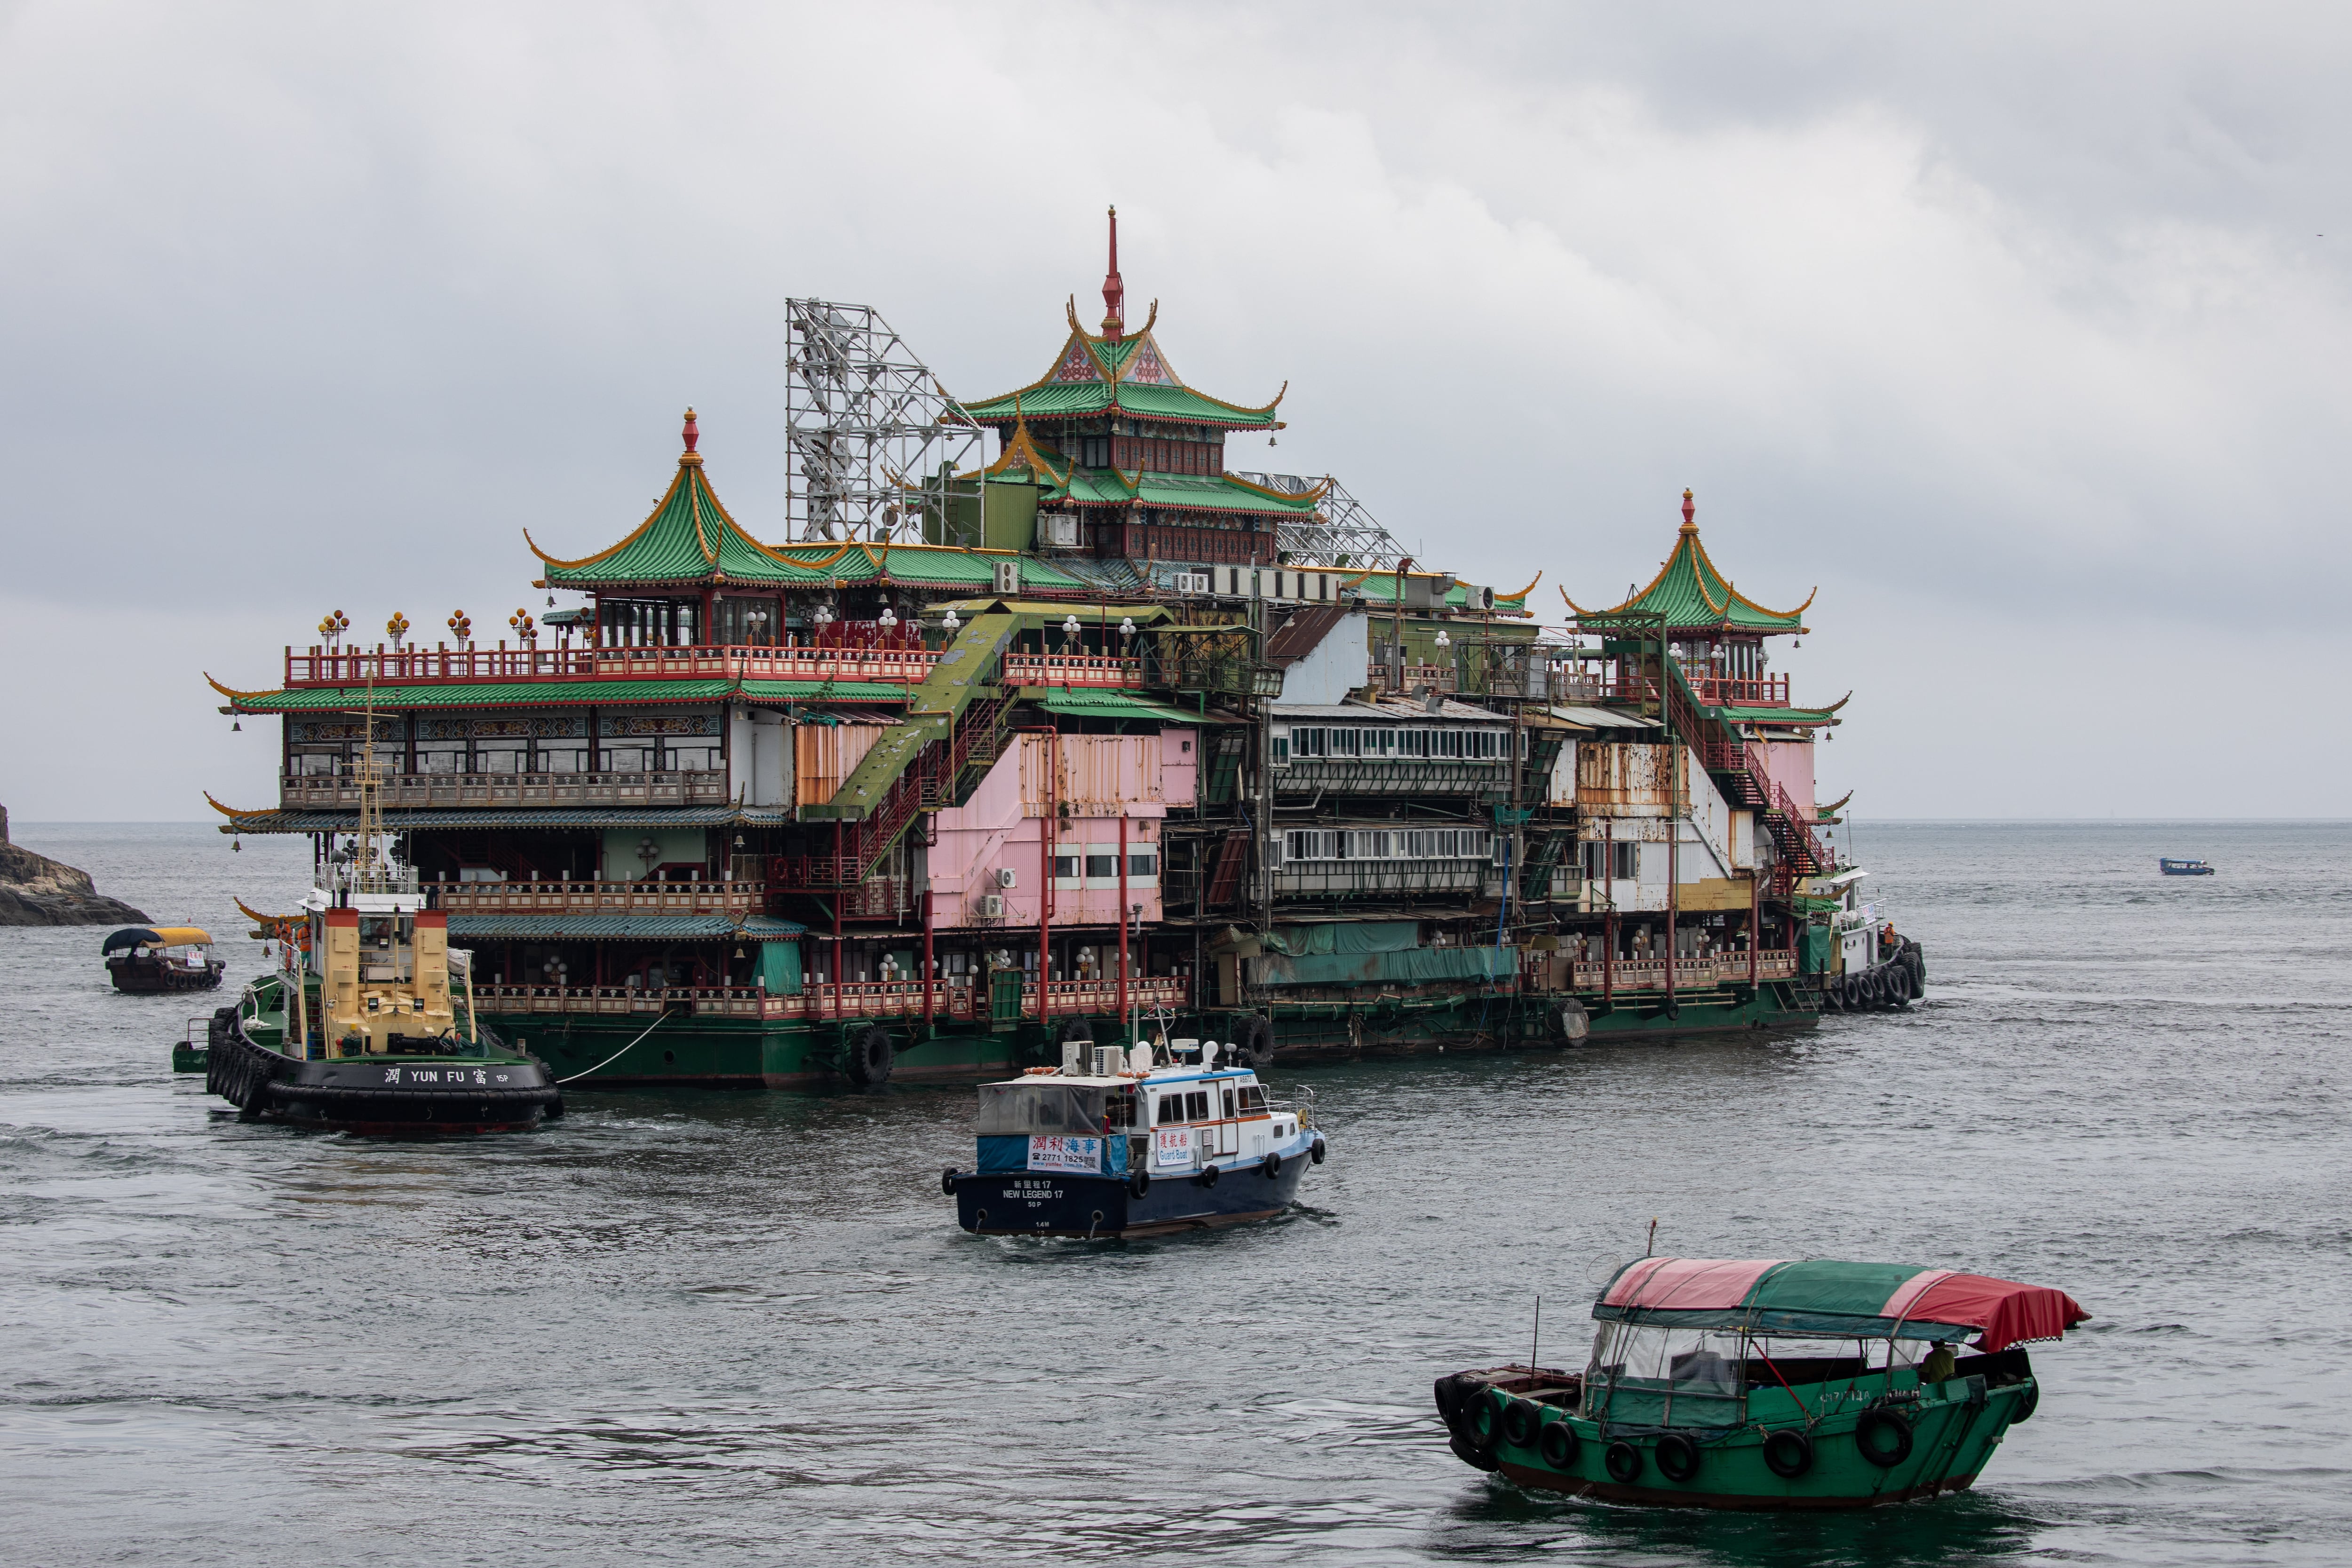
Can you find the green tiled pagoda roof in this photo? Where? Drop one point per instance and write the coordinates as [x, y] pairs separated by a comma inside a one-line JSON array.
[[1193, 492], [1094, 375], [689, 539], [932, 566], [1694, 597], [1789, 715], [1379, 588], [556, 694]]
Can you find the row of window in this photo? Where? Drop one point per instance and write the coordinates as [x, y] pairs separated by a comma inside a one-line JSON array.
[[1203, 1104], [703, 759], [1140, 863], [1389, 843], [1390, 740]]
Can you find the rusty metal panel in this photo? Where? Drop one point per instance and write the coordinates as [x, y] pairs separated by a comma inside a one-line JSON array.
[[1098, 773], [1624, 780], [826, 754]]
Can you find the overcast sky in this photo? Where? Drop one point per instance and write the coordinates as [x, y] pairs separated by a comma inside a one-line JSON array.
[[2020, 332]]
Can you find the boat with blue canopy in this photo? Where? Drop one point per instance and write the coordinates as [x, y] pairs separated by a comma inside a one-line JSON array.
[[1769, 1384], [1131, 1140], [2171, 867]]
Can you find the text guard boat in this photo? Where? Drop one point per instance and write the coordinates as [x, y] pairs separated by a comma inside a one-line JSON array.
[[1754, 1383]]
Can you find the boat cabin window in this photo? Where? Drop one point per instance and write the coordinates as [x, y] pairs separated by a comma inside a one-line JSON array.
[[1018, 1110], [1252, 1098], [1183, 1106], [1119, 1111], [1647, 1375], [1229, 1104]]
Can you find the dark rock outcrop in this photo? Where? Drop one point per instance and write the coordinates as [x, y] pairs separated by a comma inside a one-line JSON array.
[[37, 890]]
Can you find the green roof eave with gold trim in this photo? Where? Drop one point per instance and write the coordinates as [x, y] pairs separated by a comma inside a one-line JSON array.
[[1177, 492], [1691, 595], [688, 539]]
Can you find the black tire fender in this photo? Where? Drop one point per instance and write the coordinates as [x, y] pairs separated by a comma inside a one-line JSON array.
[[1139, 1183], [1558, 1445], [1471, 1454], [1520, 1420], [1889, 1454], [1208, 1177], [1270, 1167], [1253, 1044], [1623, 1461], [1316, 1152], [871, 1057], [2027, 1403], [1788, 1453], [948, 1181], [1068, 1029], [1678, 1456]]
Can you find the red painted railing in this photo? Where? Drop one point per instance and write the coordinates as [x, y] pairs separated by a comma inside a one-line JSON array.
[[1071, 670], [958, 998], [895, 661]]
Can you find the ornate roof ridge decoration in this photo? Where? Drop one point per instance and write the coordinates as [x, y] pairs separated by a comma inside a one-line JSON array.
[[232, 812], [692, 504], [1828, 812], [1303, 497], [1837, 705], [1022, 449], [231, 692], [1690, 553], [1521, 596]]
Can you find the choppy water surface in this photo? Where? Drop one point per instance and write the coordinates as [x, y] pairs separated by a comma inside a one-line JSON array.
[[739, 1326]]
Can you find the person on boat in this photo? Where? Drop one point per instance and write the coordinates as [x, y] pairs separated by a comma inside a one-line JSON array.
[[1937, 1367]]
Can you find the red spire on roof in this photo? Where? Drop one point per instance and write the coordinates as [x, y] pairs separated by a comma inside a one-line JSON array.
[[1114, 291], [692, 435], [1689, 509]]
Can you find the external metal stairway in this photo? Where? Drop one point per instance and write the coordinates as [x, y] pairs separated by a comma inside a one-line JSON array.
[[954, 732]]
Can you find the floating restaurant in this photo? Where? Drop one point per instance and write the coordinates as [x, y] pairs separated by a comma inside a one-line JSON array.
[[1034, 749]]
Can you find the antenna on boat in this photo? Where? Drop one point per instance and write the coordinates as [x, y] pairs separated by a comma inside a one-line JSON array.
[[1653, 1245], [1537, 1339]]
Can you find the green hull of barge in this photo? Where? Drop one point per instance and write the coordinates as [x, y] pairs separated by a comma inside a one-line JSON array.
[[751, 1054]]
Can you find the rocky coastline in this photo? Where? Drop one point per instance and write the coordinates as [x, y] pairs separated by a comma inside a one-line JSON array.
[[37, 890]]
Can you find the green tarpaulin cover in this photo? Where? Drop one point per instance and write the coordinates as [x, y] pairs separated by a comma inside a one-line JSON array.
[[1407, 967], [1346, 936], [780, 967]]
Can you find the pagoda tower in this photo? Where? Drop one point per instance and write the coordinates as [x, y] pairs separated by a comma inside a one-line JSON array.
[[1127, 461]]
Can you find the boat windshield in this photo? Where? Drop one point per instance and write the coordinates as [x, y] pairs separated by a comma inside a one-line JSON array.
[[1647, 1376], [1018, 1110]]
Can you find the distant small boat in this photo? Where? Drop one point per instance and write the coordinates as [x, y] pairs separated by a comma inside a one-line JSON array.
[[2184, 868], [162, 959]]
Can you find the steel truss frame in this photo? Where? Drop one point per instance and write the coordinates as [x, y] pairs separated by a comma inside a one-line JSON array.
[[875, 444], [1340, 532]]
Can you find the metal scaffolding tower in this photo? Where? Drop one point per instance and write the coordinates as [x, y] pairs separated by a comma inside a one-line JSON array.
[[1339, 533], [875, 442]]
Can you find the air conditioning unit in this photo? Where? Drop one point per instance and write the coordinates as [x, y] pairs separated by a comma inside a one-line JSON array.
[[1485, 599], [1193, 583], [1008, 577], [992, 905], [1057, 528], [1007, 877]]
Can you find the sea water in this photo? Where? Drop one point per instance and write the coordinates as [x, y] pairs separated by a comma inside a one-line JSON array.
[[680, 1326]]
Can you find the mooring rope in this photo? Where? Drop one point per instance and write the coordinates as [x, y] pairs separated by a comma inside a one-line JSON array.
[[620, 1053]]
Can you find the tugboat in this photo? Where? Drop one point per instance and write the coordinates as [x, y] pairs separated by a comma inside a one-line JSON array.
[[145, 959], [362, 1029], [1765, 1383], [1131, 1142]]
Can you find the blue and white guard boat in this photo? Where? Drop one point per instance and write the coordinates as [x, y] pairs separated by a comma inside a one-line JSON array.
[[1135, 1141]]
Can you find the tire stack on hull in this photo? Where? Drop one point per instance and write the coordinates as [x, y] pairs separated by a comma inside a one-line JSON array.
[[377, 1094], [1893, 982]]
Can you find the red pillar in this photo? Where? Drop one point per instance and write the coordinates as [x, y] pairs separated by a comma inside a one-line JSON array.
[[928, 981], [1122, 916]]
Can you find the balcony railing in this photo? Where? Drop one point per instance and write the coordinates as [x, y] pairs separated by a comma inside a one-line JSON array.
[[1719, 691], [462, 791], [736, 898], [1071, 670], [1690, 974], [453, 666], [957, 997]]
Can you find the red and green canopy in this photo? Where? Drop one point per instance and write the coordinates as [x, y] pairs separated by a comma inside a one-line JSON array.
[[1821, 1296]]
